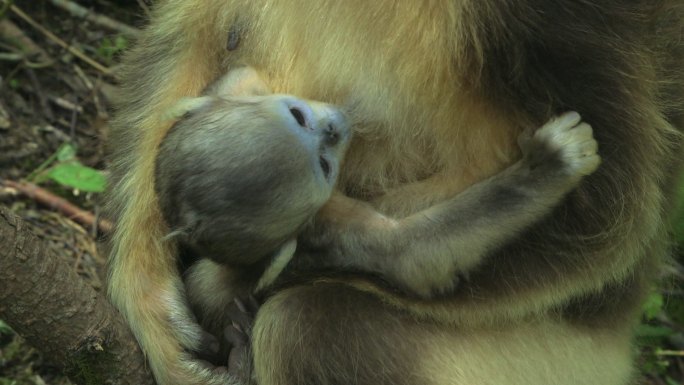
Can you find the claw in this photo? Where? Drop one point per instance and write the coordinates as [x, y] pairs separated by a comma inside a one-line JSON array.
[[209, 349], [240, 316]]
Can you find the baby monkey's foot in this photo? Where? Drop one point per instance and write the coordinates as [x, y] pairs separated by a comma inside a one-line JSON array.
[[565, 143], [237, 336]]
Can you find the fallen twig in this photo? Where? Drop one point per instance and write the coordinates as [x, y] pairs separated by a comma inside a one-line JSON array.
[[67, 105], [73, 50], [29, 49], [101, 20], [60, 204], [101, 109], [38, 91], [677, 353], [144, 7]]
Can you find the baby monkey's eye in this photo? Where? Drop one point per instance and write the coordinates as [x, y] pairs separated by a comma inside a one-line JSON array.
[[299, 116]]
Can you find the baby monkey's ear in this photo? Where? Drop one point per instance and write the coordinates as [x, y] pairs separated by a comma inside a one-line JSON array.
[[187, 105], [242, 81]]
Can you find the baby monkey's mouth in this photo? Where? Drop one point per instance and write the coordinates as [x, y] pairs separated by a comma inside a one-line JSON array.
[[325, 167]]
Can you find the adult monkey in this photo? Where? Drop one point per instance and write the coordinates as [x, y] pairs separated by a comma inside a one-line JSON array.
[[443, 88]]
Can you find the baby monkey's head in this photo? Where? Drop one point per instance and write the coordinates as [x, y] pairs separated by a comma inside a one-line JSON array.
[[243, 169]]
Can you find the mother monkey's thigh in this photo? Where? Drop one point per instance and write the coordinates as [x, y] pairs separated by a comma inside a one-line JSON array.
[[333, 334]]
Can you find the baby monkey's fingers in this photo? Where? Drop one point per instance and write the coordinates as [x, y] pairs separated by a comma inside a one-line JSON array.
[[241, 314], [209, 349], [239, 344]]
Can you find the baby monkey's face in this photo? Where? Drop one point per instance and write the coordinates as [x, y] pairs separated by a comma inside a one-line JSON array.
[[272, 159], [240, 173], [298, 130]]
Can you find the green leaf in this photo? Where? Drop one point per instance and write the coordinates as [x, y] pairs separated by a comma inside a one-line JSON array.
[[650, 331], [108, 47], [66, 152], [5, 328], [120, 42], [678, 224], [653, 305], [78, 176]]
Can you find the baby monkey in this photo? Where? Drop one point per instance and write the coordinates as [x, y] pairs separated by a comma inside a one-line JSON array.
[[238, 176], [244, 173], [243, 170]]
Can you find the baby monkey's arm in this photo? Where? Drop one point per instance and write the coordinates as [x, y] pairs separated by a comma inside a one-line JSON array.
[[427, 251]]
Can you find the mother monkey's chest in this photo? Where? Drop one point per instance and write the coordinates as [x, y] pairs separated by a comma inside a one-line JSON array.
[[395, 65]]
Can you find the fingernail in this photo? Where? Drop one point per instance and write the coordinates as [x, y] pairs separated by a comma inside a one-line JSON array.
[[240, 305], [571, 117]]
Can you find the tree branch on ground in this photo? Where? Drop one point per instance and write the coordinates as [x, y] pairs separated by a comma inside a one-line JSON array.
[[54, 38], [101, 20], [60, 204], [49, 305]]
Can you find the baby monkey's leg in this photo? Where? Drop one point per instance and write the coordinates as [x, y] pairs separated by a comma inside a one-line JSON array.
[[426, 252]]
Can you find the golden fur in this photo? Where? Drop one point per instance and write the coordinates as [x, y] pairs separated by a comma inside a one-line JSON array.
[[441, 90]]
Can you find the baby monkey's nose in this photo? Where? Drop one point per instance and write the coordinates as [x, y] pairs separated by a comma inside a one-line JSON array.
[[335, 128], [331, 124], [332, 137], [326, 121]]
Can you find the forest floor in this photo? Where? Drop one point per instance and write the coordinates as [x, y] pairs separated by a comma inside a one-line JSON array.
[[57, 74]]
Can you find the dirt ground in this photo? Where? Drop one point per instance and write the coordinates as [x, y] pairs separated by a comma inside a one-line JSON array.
[[49, 96], [57, 73]]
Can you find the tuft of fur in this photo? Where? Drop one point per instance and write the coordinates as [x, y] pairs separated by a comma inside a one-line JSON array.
[[440, 91]]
